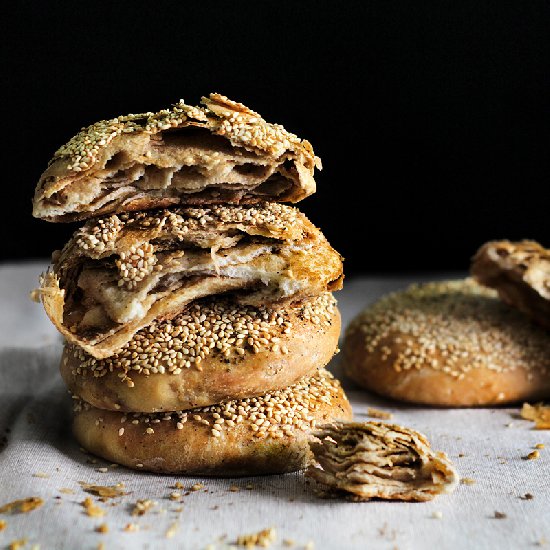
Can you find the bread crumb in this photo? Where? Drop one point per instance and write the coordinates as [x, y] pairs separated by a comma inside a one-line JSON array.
[[527, 496], [91, 509], [310, 546], [142, 506], [174, 495], [263, 538], [437, 515], [103, 528], [171, 531], [102, 470], [533, 455], [467, 481], [178, 485], [500, 515], [131, 527], [66, 491], [42, 475], [234, 489], [377, 413], [539, 446], [288, 542], [22, 506], [103, 491], [17, 544], [197, 487], [3, 524]]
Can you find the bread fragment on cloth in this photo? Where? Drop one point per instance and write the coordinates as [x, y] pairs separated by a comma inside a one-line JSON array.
[[377, 460], [219, 152], [520, 272], [119, 273]]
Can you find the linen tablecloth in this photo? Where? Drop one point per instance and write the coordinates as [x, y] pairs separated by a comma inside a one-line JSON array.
[[38, 457]]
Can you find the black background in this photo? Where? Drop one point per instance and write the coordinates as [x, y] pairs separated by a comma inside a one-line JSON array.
[[431, 118]]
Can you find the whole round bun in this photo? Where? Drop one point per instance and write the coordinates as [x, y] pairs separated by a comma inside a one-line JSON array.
[[259, 435], [214, 351], [451, 343]]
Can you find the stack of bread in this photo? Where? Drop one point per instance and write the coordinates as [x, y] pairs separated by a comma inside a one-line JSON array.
[[196, 307]]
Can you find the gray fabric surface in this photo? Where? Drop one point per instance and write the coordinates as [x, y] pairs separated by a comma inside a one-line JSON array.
[[35, 408]]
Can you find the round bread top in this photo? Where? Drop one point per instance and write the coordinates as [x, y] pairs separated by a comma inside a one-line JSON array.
[[207, 328], [218, 152], [453, 327]]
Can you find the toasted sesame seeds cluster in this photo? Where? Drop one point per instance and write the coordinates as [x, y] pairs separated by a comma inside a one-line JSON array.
[[152, 239], [242, 126], [454, 327], [208, 327], [134, 265], [275, 415], [104, 235]]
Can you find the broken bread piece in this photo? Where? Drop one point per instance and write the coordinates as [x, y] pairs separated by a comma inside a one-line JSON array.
[[520, 273], [119, 273], [226, 439], [376, 460], [220, 152]]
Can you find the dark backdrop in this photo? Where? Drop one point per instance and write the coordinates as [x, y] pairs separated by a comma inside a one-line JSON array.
[[431, 118]]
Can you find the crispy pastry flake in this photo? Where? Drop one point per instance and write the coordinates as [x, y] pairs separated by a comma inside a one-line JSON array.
[[377, 460], [520, 272]]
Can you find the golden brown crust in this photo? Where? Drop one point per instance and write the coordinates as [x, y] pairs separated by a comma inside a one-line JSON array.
[[262, 435], [214, 352], [376, 460], [116, 275], [221, 152], [520, 273], [448, 344]]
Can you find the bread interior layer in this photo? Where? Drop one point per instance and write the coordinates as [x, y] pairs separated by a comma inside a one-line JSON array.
[[98, 298], [188, 162], [375, 466]]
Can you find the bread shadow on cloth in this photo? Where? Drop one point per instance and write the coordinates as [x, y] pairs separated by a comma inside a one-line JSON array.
[[34, 404]]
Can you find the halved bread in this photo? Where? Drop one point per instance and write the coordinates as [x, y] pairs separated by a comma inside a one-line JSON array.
[[119, 273], [221, 152]]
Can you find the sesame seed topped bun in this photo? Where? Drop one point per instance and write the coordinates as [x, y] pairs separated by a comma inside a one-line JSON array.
[[257, 435], [450, 343], [119, 273], [520, 273], [214, 351], [220, 152]]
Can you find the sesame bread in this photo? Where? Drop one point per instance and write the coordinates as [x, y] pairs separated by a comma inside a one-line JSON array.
[[118, 274], [253, 436], [213, 351], [520, 273], [450, 343], [376, 460], [220, 152]]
